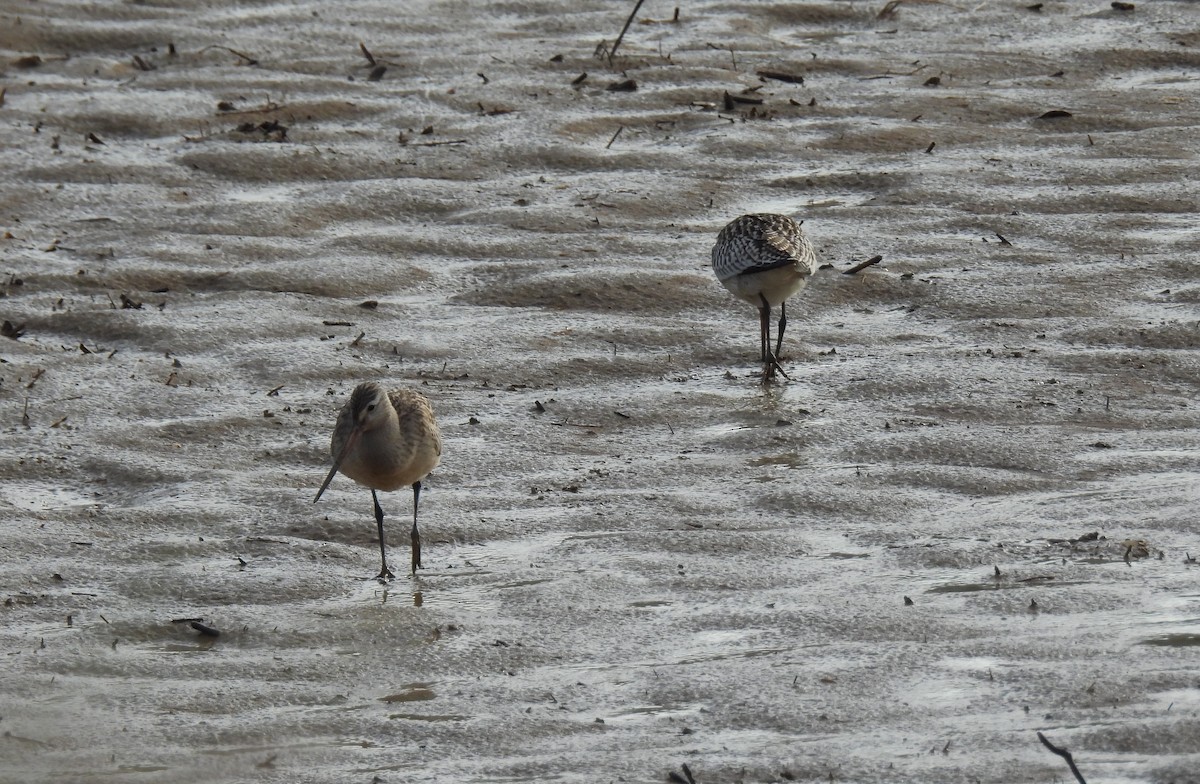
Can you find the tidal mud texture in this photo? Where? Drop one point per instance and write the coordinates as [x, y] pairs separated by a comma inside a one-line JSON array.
[[216, 219]]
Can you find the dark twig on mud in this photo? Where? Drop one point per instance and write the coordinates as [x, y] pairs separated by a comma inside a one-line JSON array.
[[366, 53], [245, 57], [613, 52], [207, 631], [675, 778], [863, 265], [1065, 755], [779, 76], [614, 137]]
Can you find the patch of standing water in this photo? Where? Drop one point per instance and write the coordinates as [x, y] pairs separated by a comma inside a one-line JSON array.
[[44, 498], [271, 194]]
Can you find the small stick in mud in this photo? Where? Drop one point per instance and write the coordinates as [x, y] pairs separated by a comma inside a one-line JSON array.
[[1065, 755], [613, 52], [366, 53], [675, 778], [207, 631], [246, 59], [779, 76], [614, 137], [860, 267]]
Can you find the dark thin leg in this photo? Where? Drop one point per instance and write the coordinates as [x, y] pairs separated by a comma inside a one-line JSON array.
[[384, 572], [782, 327], [764, 329], [416, 535], [770, 363]]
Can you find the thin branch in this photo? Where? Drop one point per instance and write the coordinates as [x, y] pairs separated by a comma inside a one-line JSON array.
[[1065, 755], [863, 265], [245, 57], [613, 52]]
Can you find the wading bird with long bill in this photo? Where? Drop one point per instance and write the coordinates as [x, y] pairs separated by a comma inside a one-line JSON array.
[[386, 440], [764, 259]]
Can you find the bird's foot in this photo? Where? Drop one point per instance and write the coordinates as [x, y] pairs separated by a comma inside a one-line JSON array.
[[769, 370], [384, 575]]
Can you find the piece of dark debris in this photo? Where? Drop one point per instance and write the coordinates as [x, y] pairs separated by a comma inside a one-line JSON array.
[[207, 631], [779, 76], [268, 128]]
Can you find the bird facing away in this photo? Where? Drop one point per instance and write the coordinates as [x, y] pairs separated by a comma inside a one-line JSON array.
[[386, 440], [764, 259]]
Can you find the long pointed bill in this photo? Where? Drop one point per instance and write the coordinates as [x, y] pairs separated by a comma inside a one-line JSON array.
[[351, 442]]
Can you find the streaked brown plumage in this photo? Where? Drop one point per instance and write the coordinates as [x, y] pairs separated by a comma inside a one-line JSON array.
[[386, 440], [764, 259]]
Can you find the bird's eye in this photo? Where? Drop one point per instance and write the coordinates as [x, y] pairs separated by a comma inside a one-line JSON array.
[[371, 407]]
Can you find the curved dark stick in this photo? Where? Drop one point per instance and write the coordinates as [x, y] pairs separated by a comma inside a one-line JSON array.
[[1065, 755], [863, 265]]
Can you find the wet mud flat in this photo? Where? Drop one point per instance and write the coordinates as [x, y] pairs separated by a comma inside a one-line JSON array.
[[970, 516]]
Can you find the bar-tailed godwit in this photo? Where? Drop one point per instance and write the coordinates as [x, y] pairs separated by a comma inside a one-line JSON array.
[[386, 440], [764, 259]]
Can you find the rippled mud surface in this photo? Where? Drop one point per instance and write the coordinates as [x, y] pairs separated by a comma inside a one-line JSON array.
[[970, 516]]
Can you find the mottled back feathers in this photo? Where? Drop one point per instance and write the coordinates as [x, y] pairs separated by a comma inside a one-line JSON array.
[[760, 242]]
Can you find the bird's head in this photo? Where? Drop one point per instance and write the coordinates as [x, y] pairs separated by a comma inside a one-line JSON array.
[[370, 406]]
